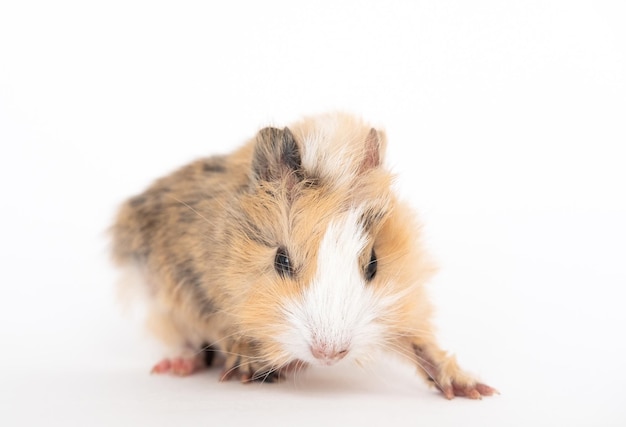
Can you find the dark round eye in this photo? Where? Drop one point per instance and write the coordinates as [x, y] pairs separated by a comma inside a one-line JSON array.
[[371, 267], [282, 264]]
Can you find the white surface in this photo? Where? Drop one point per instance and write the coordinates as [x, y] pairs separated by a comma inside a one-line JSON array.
[[506, 123]]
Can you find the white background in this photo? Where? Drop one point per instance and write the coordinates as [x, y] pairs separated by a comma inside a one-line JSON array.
[[506, 125]]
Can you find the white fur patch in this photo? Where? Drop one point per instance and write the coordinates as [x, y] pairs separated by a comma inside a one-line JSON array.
[[317, 143], [134, 292], [338, 309], [331, 149]]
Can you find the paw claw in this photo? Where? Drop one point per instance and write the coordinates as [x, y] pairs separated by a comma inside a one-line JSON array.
[[474, 394], [485, 390], [448, 392]]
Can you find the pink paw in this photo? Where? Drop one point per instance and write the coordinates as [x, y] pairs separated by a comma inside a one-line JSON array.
[[475, 391], [181, 366]]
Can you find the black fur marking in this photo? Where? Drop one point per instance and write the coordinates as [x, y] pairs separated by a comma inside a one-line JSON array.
[[290, 153], [137, 201], [185, 274], [187, 216], [311, 182], [206, 305], [263, 150], [255, 345], [158, 193], [209, 351], [254, 233], [141, 256], [371, 217], [214, 165], [276, 155], [147, 228], [417, 349]]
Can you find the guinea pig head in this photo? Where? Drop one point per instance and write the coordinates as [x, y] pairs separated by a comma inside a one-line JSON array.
[[316, 249]]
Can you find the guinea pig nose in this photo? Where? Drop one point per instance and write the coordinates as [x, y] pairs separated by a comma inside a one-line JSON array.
[[326, 354]]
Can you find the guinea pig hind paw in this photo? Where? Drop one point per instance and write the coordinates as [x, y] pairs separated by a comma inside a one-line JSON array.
[[180, 366]]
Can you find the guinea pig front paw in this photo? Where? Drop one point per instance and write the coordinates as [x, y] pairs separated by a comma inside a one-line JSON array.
[[472, 390], [461, 385], [242, 364], [444, 372]]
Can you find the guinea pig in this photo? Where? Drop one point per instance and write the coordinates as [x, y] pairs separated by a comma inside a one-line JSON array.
[[291, 251]]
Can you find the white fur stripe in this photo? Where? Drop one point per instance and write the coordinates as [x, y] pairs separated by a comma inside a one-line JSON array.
[[338, 309]]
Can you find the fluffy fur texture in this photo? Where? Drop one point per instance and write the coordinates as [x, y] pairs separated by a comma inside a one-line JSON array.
[[292, 250]]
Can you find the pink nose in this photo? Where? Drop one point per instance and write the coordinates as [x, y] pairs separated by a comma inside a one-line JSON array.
[[328, 355]]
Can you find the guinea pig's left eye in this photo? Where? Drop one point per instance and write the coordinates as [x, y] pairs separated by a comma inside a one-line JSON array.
[[371, 267], [282, 264]]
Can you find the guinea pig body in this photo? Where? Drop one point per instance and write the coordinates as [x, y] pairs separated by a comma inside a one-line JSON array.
[[292, 250]]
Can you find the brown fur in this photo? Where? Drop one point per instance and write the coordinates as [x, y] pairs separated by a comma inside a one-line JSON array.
[[205, 238]]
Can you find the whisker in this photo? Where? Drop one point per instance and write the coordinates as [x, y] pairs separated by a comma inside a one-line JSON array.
[[192, 209]]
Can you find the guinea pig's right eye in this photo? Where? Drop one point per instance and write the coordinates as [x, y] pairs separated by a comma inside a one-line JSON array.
[[282, 264]]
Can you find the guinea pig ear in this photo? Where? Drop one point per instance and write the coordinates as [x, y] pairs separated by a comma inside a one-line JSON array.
[[276, 155], [374, 150]]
